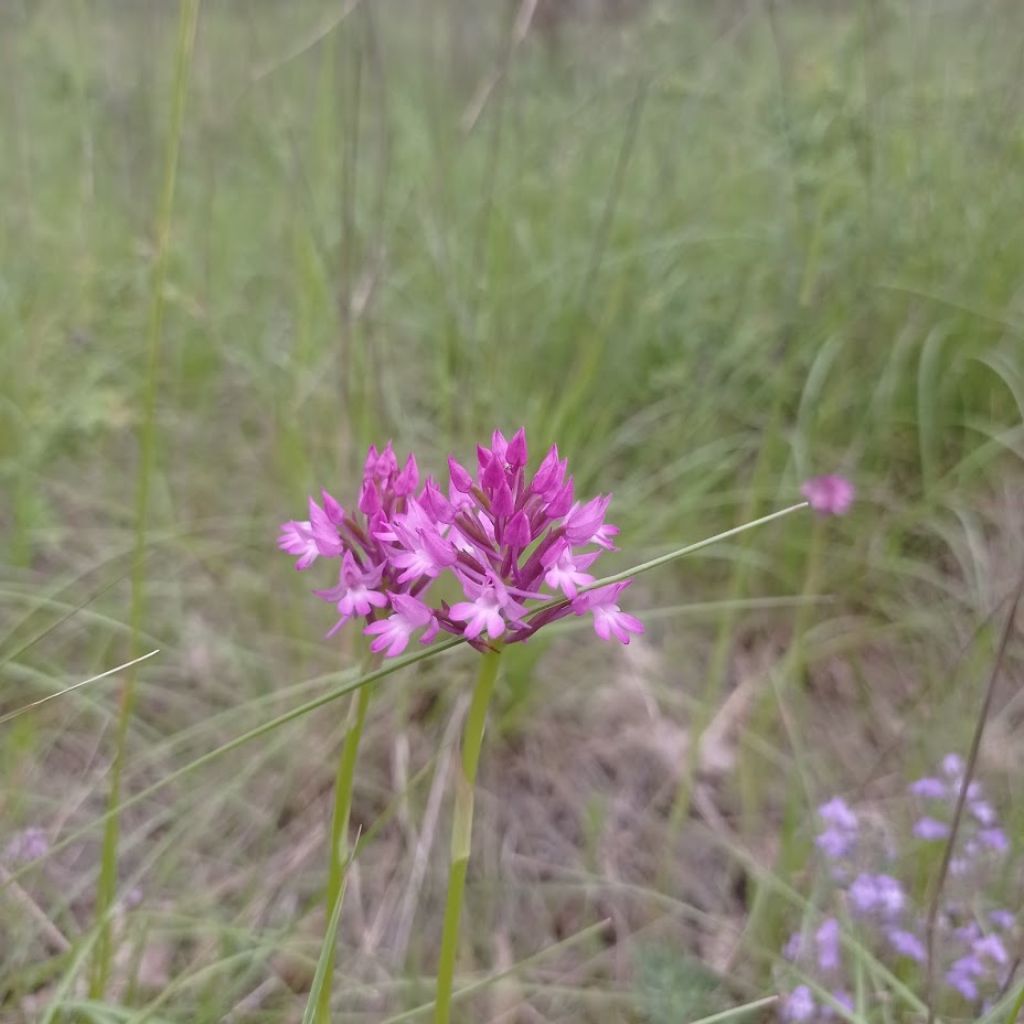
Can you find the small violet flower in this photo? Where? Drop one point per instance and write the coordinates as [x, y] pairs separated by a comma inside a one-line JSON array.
[[930, 829], [994, 839], [1003, 919], [844, 999], [877, 893], [930, 789], [799, 1005], [826, 939], [839, 838], [905, 943], [962, 975], [837, 812], [29, 844]]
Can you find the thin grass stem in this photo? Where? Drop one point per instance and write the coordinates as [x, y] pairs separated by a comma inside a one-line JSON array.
[[75, 686], [106, 887], [317, 1008]]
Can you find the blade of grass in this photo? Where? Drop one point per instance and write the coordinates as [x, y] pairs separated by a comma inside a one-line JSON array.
[[76, 686], [68, 979], [239, 741], [484, 983], [317, 1007], [737, 1011], [1015, 1010]]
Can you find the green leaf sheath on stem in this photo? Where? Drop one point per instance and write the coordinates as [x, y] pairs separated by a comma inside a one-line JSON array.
[[462, 829], [106, 886], [338, 853]]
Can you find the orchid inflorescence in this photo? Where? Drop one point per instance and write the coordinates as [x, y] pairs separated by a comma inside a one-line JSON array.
[[518, 546], [974, 937]]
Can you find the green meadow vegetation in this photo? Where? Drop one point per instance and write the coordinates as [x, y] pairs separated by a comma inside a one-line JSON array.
[[710, 250]]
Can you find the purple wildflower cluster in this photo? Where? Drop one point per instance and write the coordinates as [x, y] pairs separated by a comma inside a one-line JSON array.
[[519, 546], [974, 939]]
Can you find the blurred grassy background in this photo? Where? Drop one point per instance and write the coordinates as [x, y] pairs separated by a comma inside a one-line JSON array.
[[710, 249]]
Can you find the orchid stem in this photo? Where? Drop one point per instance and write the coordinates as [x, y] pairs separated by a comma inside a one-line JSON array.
[[462, 830], [339, 850]]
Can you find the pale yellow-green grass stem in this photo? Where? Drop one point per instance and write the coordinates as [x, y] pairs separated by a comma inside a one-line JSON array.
[[106, 888]]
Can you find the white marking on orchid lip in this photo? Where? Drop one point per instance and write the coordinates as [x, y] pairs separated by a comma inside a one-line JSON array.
[[76, 686]]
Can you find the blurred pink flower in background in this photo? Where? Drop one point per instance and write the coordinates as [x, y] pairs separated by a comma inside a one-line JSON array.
[[830, 495]]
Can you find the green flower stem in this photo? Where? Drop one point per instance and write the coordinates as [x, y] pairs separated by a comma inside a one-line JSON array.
[[462, 830], [339, 849]]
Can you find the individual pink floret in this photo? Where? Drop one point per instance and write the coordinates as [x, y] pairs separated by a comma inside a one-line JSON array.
[[392, 635], [296, 537], [609, 619], [565, 570], [487, 611], [356, 592]]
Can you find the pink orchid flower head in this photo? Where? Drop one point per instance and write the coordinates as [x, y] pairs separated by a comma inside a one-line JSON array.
[[520, 546]]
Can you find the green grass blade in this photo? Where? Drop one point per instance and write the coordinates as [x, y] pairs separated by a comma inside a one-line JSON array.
[[325, 962]]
